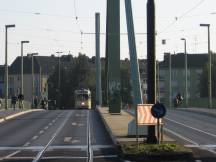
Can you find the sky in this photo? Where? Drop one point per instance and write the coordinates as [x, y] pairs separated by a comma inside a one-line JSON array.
[[55, 26]]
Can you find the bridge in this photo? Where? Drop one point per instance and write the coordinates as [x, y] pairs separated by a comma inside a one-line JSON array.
[[71, 134]]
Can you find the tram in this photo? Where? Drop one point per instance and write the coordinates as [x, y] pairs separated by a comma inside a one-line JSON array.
[[82, 99]]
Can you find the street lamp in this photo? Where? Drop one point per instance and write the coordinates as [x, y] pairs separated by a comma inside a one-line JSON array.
[[59, 77], [33, 92], [22, 42], [186, 86], [210, 63], [6, 64]]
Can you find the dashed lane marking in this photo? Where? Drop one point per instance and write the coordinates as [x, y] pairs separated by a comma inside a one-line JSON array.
[[67, 139], [46, 127], [26, 144], [41, 132], [35, 137]]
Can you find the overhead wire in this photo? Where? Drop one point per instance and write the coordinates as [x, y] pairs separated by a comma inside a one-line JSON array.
[[79, 26], [180, 17]]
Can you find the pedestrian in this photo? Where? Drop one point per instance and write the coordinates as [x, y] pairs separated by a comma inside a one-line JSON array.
[[35, 102], [43, 104], [20, 100], [0, 103], [13, 101]]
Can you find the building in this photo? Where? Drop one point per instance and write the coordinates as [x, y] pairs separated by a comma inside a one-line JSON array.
[[44, 66], [196, 63], [2, 72]]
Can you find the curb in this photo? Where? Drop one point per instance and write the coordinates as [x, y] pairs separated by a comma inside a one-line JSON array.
[[107, 128], [18, 114]]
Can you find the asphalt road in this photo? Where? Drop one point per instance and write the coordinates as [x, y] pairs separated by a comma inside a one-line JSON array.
[[58, 135], [194, 130]]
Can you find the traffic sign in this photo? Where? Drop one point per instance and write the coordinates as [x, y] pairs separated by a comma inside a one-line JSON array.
[[144, 116], [158, 110]]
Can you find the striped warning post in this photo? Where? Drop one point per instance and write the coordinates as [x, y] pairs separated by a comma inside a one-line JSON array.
[[144, 116]]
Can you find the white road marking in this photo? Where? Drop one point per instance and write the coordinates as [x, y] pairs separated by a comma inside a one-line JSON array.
[[198, 160], [40, 154], [105, 156], [62, 157], [102, 146], [10, 155], [74, 123], [67, 139], [41, 132], [46, 127], [189, 140], [75, 141], [206, 146], [50, 124], [35, 137], [180, 136], [26, 144], [84, 147], [210, 134]]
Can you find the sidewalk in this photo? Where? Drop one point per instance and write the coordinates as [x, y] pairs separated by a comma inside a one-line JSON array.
[[207, 111], [117, 126], [11, 113]]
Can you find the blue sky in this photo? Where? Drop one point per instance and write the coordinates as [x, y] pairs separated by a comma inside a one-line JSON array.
[[51, 26]]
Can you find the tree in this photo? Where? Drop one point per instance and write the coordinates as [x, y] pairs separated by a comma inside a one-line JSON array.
[[204, 80], [79, 75]]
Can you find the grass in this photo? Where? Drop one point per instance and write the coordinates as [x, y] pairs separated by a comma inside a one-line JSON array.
[[153, 148]]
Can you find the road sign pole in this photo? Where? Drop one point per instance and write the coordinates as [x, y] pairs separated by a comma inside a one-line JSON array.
[[151, 65], [98, 62], [137, 128], [158, 130]]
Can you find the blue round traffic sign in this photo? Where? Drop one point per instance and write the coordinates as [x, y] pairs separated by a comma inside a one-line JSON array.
[[158, 110]]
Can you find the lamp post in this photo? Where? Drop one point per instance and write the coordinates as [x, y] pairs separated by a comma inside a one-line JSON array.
[[59, 78], [210, 66], [186, 86], [32, 59], [6, 64], [22, 42]]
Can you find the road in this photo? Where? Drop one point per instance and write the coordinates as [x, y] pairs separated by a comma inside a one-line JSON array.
[[192, 129], [58, 135]]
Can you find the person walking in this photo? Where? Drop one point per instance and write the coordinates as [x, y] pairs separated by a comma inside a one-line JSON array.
[[13, 101], [35, 102], [20, 100]]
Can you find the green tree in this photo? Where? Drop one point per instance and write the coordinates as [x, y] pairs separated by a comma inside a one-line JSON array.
[[204, 80], [79, 75]]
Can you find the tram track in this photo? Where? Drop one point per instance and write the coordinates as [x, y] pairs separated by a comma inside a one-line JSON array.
[[77, 137]]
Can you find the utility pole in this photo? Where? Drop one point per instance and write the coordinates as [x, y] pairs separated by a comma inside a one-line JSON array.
[[6, 65], [59, 78], [151, 64], [210, 66], [170, 80], [32, 62], [98, 62], [186, 86], [22, 42]]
